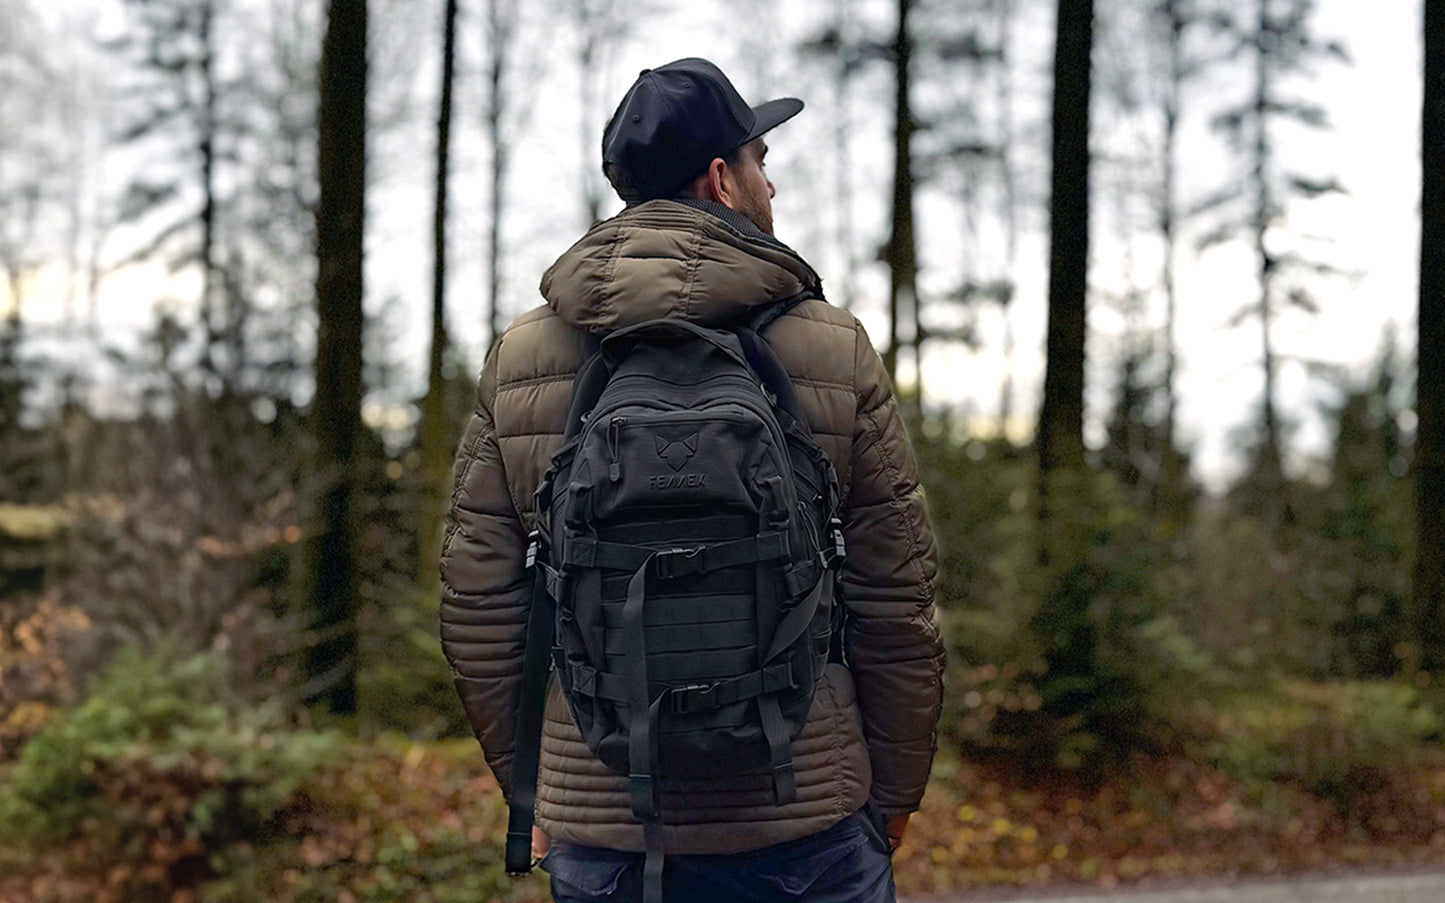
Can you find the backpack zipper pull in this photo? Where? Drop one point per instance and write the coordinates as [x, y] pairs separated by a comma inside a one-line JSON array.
[[614, 472]]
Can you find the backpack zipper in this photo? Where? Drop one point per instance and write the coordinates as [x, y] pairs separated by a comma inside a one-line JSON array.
[[614, 470]]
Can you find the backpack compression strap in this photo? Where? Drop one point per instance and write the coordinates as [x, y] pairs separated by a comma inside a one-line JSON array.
[[527, 748]]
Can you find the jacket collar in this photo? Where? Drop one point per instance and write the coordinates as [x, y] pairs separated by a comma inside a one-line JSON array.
[[697, 260]]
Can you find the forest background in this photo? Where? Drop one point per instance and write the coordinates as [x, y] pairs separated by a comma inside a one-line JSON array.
[[1151, 277]]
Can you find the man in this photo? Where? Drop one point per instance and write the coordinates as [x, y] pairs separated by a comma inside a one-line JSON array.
[[687, 155]]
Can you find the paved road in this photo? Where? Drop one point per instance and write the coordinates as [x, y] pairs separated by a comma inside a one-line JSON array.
[[1372, 888]]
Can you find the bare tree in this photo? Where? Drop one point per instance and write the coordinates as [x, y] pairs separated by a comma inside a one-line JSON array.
[[972, 137], [501, 25], [1429, 577], [901, 250], [27, 173], [842, 46], [1008, 180], [601, 26], [270, 249], [331, 659], [176, 46], [1275, 38], [1173, 18], [436, 455], [1061, 415], [848, 61]]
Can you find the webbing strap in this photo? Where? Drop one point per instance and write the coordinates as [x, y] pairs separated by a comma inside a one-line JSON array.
[[551, 580], [652, 863], [639, 729], [764, 362], [665, 638], [583, 552], [527, 751], [792, 624], [763, 317], [685, 700], [587, 387], [800, 578], [697, 698], [785, 786]]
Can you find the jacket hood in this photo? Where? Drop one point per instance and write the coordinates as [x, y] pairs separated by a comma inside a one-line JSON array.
[[697, 260]]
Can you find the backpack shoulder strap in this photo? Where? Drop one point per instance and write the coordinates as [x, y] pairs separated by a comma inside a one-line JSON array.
[[764, 360], [532, 698], [588, 384], [764, 316]]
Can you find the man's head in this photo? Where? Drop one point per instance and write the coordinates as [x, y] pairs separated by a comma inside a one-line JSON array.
[[682, 130]]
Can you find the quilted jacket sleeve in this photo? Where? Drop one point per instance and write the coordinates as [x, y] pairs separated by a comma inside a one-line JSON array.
[[891, 639], [485, 592]]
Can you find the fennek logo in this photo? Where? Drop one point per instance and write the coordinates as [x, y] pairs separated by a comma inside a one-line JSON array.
[[676, 452]]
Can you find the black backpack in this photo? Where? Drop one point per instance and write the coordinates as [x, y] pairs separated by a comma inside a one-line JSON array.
[[686, 556]]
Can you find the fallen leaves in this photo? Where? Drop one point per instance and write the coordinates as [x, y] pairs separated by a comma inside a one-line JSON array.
[[1166, 817]]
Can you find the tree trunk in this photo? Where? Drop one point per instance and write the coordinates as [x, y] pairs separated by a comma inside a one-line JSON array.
[[207, 148], [1429, 586], [436, 456], [902, 256], [499, 34], [1271, 461], [331, 659], [1061, 417], [842, 146], [1174, 25], [1170, 494], [1008, 177]]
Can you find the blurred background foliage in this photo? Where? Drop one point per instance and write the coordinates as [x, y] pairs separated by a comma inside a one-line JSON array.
[[1147, 674]]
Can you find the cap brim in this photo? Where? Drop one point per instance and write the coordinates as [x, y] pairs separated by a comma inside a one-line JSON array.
[[772, 114]]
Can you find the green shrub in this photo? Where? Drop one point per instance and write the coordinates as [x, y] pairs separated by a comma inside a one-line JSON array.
[[1335, 740], [405, 683], [157, 771], [1075, 664]]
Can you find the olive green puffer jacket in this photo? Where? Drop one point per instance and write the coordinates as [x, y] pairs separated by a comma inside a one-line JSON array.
[[871, 729]]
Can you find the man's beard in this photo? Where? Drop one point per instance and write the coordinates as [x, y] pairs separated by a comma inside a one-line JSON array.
[[760, 214]]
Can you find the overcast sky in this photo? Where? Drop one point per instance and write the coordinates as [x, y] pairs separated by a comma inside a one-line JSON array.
[[1373, 147]]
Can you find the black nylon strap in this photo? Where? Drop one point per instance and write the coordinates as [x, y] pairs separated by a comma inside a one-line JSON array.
[[582, 552], [795, 622], [785, 785], [687, 638], [764, 316], [800, 578], [687, 700], [552, 580], [770, 370], [616, 345], [527, 750], [588, 681], [639, 730], [652, 862], [767, 546], [587, 387]]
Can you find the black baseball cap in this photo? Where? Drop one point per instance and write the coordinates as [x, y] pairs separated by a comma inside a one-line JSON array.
[[674, 120]]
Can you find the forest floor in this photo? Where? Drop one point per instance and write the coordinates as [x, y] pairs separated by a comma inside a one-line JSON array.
[[394, 821], [1163, 818]]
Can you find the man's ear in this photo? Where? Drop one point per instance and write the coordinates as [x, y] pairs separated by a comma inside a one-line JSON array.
[[720, 183]]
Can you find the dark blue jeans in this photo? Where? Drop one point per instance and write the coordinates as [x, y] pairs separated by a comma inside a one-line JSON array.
[[848, 863]]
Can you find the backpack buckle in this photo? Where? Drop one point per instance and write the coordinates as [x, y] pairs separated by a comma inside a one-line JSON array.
[[689, 699], [679, 562], [534, 544], [840, 549]]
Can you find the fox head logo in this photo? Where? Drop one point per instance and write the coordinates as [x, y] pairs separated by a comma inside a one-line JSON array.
[[676, 452]]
